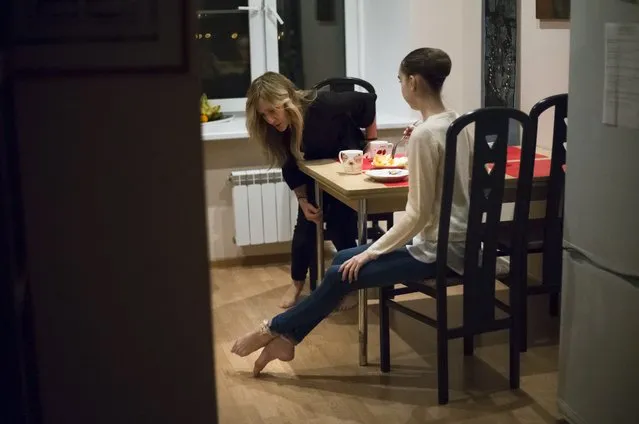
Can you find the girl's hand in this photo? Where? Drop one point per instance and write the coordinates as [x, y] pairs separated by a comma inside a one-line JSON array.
[[408, 131], [350, 268], [311, 213]]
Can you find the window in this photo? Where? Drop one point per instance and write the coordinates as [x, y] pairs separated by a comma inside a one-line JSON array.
[[230, 41], [311, 42], [238, 40]]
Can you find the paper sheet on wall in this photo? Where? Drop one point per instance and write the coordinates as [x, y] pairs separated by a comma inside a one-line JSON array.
[[621, 85]]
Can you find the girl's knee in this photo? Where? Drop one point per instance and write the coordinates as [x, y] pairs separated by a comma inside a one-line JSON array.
[[344, 255], [333, 276], [333, 282], [339, 258]]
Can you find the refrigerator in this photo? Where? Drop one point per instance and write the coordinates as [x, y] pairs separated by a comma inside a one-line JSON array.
[[599, 341]]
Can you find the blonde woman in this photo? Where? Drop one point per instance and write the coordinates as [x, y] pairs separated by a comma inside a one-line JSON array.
[[394, 257], [291, 124]]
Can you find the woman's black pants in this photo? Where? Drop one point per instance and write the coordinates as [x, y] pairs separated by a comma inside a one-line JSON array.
[[341, 230]]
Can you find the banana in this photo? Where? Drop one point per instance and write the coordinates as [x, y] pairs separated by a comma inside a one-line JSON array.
[[204, 105], [212, 112]]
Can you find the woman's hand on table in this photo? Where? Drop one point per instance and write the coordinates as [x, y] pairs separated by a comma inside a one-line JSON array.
[[311, 213], [350, 268]]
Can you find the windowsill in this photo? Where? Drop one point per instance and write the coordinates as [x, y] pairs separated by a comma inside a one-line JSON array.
[[393, 122], [236, 128]]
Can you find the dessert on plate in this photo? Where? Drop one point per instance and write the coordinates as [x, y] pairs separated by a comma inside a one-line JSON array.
[[386, 161]]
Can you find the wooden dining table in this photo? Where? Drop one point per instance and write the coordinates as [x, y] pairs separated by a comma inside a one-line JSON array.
[[366, 197]]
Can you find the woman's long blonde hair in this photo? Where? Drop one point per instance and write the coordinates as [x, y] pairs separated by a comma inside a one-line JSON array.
[[279, 91]]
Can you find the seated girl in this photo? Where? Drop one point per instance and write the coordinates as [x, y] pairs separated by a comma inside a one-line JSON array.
[[290, 123], [390, 259]]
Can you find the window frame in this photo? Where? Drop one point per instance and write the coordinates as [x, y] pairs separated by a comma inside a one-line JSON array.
[[264, 44]]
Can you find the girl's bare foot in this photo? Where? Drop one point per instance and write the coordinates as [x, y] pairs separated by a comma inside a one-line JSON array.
[[253, 341], [278, 348], [292, 295], [348, 302]]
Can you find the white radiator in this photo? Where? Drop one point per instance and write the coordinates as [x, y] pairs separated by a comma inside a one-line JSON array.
[[265, 208]]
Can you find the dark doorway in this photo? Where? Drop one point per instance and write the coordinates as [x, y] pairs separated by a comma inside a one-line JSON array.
[[18, 389]]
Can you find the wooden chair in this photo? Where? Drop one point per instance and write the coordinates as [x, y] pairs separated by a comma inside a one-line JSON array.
[[543, 235], [481, 256], [341, 84]]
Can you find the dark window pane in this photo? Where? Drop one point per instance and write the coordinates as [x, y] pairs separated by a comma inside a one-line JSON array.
[[311, 41], [224, 49]]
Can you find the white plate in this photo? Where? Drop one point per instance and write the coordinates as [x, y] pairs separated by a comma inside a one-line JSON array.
[[226, 119], [388, 175]]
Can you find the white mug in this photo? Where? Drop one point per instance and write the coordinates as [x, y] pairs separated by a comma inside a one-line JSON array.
[[378, 147], [351, 160]]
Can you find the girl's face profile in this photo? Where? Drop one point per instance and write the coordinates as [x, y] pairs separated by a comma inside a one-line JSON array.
[[408, 88]]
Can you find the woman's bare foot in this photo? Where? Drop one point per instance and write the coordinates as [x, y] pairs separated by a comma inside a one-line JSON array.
[[292, 295], [253, 341], [348, 302], [278, 348]]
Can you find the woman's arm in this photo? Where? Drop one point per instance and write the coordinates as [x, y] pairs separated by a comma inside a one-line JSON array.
[[371, 131], [294, 177], [424, 159], [297, 182]]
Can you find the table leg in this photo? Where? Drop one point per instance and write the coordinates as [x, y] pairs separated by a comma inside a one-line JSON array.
[[362, 303], [320, 234]]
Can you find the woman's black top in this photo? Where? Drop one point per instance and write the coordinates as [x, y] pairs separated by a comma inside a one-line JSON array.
[[332, 122]]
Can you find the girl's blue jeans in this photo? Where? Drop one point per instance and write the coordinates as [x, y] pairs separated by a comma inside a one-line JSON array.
[[389, 269]]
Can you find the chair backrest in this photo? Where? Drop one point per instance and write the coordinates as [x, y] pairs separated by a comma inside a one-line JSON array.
[[553, 222], [344, 84], [486, 196]]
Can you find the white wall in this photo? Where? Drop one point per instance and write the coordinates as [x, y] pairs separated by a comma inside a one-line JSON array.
[[434, 23], [323, 51], [386, 30], [456, 27], [543, 64], [472, 24], [393, 28]]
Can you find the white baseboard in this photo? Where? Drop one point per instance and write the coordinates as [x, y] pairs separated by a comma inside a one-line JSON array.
[[567, 412]]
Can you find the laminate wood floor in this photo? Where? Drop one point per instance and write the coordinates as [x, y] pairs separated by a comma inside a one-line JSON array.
[[324, 384]]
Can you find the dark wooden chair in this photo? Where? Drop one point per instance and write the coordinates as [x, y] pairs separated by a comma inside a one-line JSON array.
[[481, 261], [341, 84], [543, 235]]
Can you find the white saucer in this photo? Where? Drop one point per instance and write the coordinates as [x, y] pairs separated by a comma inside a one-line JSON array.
[[388, 175]]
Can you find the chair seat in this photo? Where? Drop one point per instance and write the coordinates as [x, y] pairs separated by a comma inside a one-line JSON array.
[[502, 271], [535, 235]]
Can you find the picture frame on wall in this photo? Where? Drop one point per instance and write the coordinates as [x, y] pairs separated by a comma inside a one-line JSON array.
[[99, 36], [553, 9]]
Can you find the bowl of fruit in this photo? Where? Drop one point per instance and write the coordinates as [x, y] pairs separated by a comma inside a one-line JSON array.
[[210, 113]]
